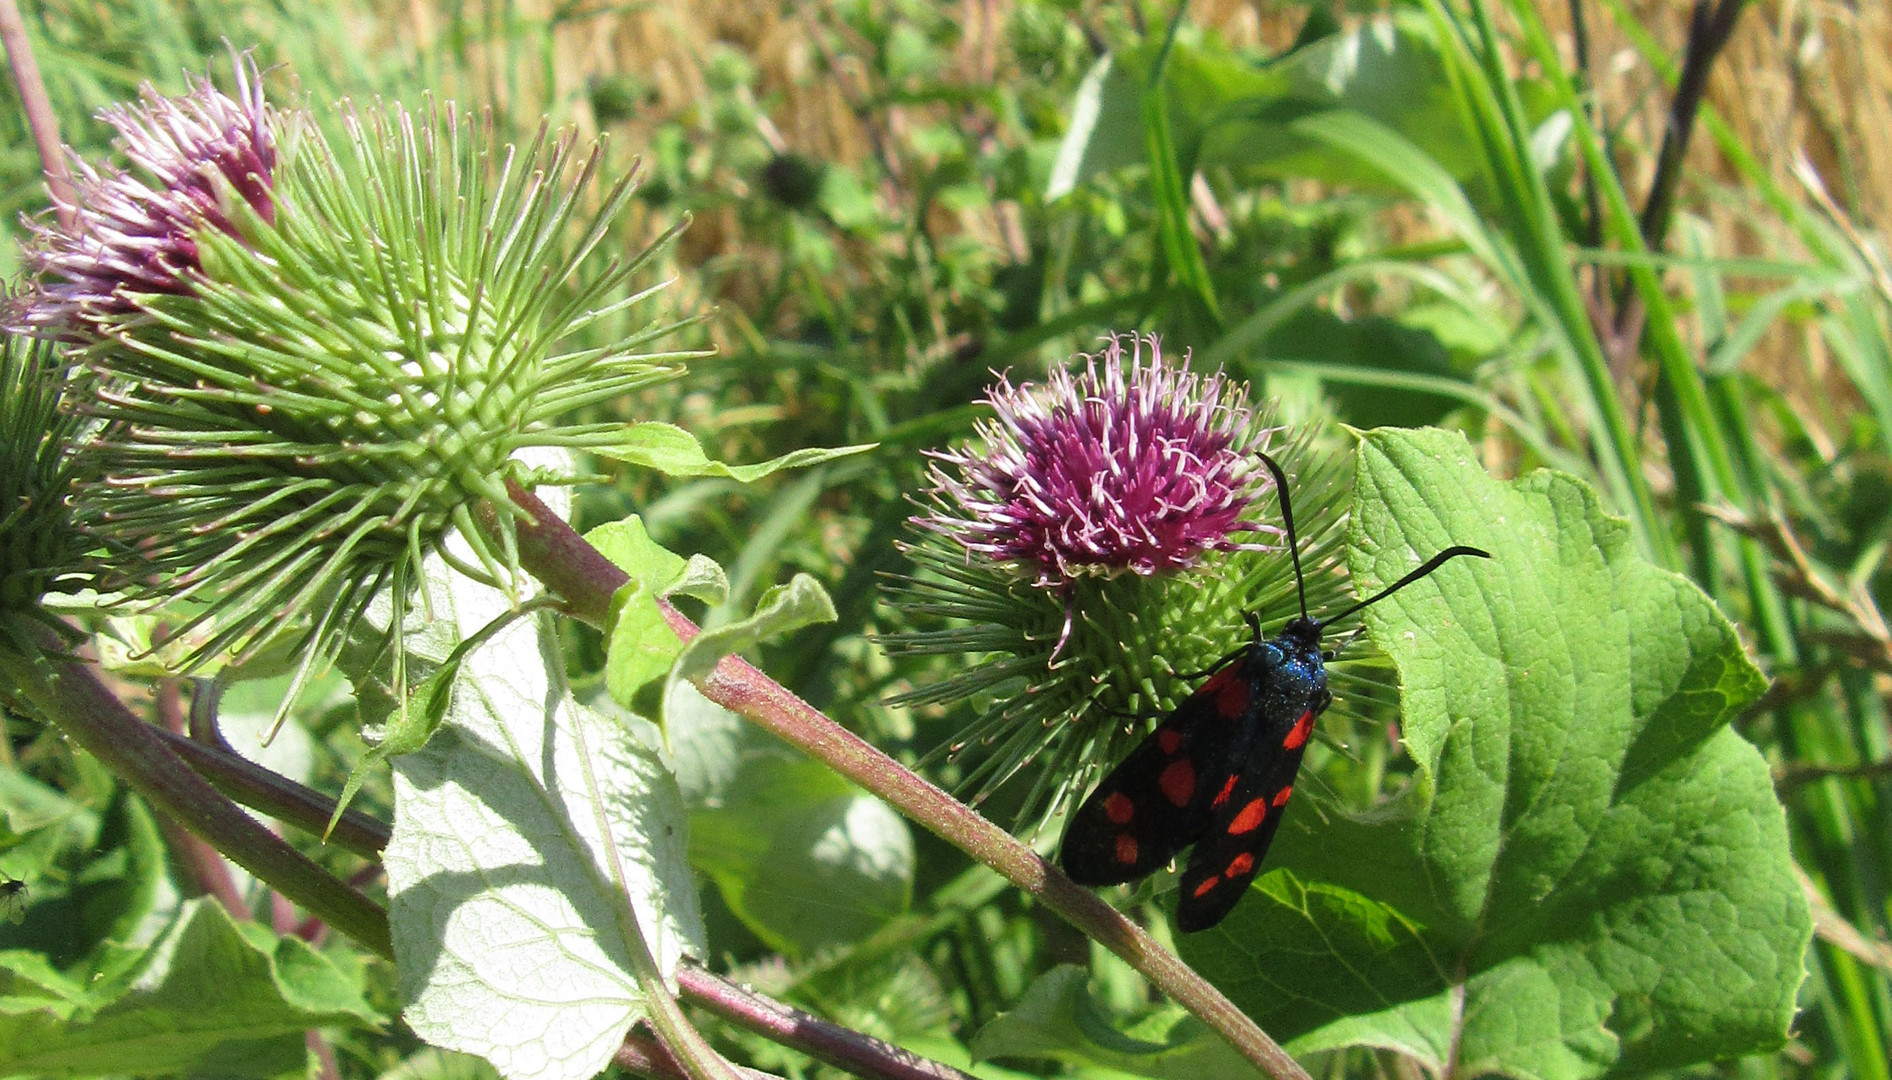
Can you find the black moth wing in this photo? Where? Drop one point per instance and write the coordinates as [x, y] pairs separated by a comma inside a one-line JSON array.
[[1229, 853], [1157, 800]]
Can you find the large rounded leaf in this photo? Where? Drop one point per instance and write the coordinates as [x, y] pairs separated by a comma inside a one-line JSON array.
[[1589, 872]]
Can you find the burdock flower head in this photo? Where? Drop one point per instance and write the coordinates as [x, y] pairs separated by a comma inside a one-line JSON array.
[[1104, 533], [308, 364]]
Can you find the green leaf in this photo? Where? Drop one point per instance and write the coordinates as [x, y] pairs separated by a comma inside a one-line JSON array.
[[1223, 110], [1059, 1018], [212, 999], [629, 547], [801, 602], [805, 859], [512, 827], [1367, 343], [433, 1063], [848, 201], [1102, 133], [675, 452], [418, 715], [93, 875], [1169, 163], [1388, 69], [1589, 871], [640, 647]]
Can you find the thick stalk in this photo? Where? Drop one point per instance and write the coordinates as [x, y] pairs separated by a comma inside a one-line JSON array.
[[278, 796], [586, 580], [206, 868], [68, 694]]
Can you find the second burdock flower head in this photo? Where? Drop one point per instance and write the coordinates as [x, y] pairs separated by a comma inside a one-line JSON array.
[[310, 362], [1105, 535], [1134, 464]]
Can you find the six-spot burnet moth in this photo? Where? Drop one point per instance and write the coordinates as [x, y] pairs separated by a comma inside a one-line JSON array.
[[1218, 771]]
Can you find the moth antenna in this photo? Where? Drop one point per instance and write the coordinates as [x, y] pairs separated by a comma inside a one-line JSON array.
[[1430, 565], [1287, 518]]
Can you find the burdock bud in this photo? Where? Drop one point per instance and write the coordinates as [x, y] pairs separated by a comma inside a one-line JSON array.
[[311, 363], [1103, 534]]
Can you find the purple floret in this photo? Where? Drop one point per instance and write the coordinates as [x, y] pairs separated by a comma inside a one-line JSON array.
[[1140, 467], [136, 232]]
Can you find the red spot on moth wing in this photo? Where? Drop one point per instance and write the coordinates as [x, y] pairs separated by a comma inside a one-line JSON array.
[[1228, 788], [1118, 808], [1239, 865], [1216, 684], [1231, 702], [1178, 781], [1208, 885], [1281, 797], [1302, 728], [1126, 848], [1169, 739], [1251, 817]]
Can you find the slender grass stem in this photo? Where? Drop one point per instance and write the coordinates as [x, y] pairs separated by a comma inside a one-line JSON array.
[[1709, 29]]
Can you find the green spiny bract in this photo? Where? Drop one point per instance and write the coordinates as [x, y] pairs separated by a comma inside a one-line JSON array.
[[41, 551]]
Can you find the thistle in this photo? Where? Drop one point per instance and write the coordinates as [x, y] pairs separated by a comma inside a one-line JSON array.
[[1102, 535], [311, 364]]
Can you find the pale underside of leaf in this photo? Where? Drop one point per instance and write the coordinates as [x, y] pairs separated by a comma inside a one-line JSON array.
[[512, 827]]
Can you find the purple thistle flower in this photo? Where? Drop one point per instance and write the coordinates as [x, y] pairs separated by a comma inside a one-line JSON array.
[[1143, 469], [132, 234]]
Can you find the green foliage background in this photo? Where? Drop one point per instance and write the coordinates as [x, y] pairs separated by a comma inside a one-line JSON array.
[[1378, 218]]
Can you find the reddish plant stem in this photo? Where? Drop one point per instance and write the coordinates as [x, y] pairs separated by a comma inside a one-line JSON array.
[[68, 694], [327, 1068], [282, 919], [205, 869], [278, 796], [201, 862], [39, 111], [823, 1040], [647, 1057], [586, 580]]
